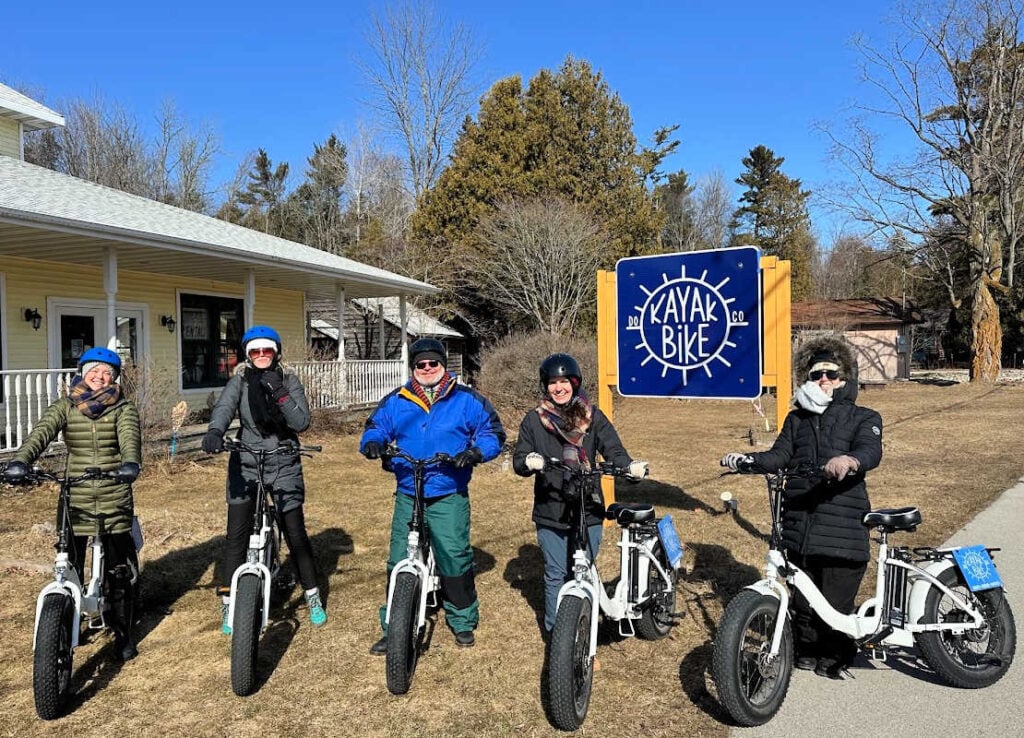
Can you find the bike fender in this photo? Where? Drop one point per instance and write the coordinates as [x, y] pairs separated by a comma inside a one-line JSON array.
[[765, 587], [64, 588], [418, 569], [584, 590], [919, 590], [263, 573]]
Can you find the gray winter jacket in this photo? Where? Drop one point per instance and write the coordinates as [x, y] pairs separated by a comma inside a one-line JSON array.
[[283, 472]]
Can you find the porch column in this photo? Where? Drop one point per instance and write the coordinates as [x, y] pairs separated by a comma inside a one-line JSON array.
[[250, 297], [380, 328], [403, 319], [343, 391], [110, 287]]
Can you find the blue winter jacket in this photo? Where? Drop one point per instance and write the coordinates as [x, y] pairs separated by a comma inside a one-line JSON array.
[[459, 419]]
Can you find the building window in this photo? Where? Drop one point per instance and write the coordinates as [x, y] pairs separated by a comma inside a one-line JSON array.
[[211, 330]]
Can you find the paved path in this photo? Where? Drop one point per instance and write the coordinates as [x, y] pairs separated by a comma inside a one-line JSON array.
[[903, 698]]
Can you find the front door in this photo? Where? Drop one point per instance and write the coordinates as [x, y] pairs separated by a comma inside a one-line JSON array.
[[77, 326]]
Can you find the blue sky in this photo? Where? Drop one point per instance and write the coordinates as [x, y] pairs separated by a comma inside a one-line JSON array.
[[281, 75]]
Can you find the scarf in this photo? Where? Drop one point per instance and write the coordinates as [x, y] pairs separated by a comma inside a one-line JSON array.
[[93, 403], [554, 420], [429, 395], [266, 413], [811, 397]]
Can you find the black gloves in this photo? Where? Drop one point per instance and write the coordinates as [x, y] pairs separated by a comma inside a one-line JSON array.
[[15, 472], [469, 457], [273, 384], [372, 450], [128, 472], [213, 442]]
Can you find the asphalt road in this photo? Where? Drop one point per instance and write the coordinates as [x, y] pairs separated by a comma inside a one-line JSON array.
[[902, 697]]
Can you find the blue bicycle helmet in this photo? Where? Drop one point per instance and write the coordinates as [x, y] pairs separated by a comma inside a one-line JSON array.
[[261, 335], [103, 356]]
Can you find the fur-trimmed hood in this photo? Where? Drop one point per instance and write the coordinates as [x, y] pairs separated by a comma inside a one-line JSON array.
[[838, 346]]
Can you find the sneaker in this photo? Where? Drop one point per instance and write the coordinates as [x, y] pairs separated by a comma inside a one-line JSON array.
[[806, 663], [317, 614], [380, 648], [225, 615], [465, 639]]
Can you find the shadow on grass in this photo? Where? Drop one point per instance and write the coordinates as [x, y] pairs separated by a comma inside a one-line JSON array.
[[660, 495], [329, 545], [525, 574]]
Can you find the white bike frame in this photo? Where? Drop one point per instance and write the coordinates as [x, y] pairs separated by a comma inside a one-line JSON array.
[[866, 621], [586, 583], [257, 564], [425, 571]]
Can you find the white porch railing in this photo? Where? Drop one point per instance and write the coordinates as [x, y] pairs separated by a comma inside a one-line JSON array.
[[348, 384], [26, 394]]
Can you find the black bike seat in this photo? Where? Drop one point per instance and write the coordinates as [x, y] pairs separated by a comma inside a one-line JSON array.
[[900, 518], [625, 513]]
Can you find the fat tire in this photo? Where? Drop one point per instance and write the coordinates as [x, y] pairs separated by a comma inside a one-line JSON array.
[[657, 620], [570, 668], [404, 633], [975, 659], [245, 634], [53, 657], [751, 690]]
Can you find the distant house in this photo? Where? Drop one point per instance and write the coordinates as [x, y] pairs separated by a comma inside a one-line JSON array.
[[171, 290], [878, 328], [373, 330]]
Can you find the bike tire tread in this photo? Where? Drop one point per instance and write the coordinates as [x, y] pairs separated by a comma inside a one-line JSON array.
[[568, 704], [245, 634], [55, 623], [403, 634]]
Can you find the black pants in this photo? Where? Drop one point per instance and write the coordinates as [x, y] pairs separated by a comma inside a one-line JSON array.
[[293, 525], [838, 580], [120, 560]]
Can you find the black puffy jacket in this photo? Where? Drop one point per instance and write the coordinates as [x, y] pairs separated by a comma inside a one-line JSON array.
[[826, 518]]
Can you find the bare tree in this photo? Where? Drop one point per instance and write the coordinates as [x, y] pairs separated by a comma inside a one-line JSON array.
[[420, 76], [541, 260], [954, 77], [712, 210]]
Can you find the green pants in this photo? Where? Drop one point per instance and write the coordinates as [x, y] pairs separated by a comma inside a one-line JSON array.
[[448, 521]]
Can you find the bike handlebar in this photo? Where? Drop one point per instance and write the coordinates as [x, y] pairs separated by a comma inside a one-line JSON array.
[[393, 452], [37, 474], [604, 468], [286, 447]]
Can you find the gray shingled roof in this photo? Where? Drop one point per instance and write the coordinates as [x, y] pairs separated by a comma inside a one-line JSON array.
[[419, 323], [52, 216], [32, 115]]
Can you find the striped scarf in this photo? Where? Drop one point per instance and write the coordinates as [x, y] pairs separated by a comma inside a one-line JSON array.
[[553, 418], [429, 395], [93, 403]]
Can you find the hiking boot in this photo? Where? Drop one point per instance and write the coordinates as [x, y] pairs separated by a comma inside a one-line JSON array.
[[225, 618], [806, 663], [831, 669], [380, 648], [317, 614], [465, 639]]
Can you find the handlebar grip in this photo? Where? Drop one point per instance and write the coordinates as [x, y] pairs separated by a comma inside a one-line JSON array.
[[312, 448]]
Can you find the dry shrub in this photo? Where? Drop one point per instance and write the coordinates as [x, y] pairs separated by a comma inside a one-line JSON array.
[[154, 390], [508, 375]]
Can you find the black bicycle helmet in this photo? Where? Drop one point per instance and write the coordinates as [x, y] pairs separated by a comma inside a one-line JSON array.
[[428, 348], [560, 365]]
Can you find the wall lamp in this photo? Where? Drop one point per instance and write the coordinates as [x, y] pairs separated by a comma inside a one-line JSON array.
[[32, 316], [168, 322]]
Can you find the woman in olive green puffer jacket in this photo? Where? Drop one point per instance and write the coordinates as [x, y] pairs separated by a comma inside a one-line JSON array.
[[101, 429]]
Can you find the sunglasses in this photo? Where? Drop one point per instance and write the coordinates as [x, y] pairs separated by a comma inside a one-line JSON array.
[[830, 373], [428, 364], [261, 352]]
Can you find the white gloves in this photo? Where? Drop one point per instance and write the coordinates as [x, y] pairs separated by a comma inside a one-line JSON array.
[[733, 460], [534, 461], [839, 466], [638, 469]]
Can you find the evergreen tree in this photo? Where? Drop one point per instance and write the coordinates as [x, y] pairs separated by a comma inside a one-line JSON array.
[[264, 196]]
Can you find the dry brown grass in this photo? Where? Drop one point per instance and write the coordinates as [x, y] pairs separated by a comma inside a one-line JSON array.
[[948, 449]]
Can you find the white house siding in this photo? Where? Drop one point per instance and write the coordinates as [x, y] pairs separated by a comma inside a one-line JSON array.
[[10, 138], [876, 354]]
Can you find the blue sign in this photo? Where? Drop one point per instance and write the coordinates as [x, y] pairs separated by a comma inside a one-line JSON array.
[[689, 325], [976, 565]]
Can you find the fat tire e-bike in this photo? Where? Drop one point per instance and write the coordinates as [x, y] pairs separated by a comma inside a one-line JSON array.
[[949, 602], [414, 584], [253, 581], [64, 604], [641, 599]]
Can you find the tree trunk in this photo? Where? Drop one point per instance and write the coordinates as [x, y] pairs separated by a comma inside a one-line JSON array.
[[987, 335]]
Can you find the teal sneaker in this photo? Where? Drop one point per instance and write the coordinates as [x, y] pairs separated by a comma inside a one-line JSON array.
[[317, 614], [225, 622]]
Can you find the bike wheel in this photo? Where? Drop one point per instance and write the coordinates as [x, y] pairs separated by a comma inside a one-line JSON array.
[[751, 687], [51, 662], [404, 633], [245, 634], [980, 656], [657, 620], [570, 668]]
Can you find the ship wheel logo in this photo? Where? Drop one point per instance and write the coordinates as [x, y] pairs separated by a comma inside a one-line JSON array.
[[684, 325]]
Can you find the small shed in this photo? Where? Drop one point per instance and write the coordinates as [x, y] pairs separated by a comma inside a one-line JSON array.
[[878, 328]]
